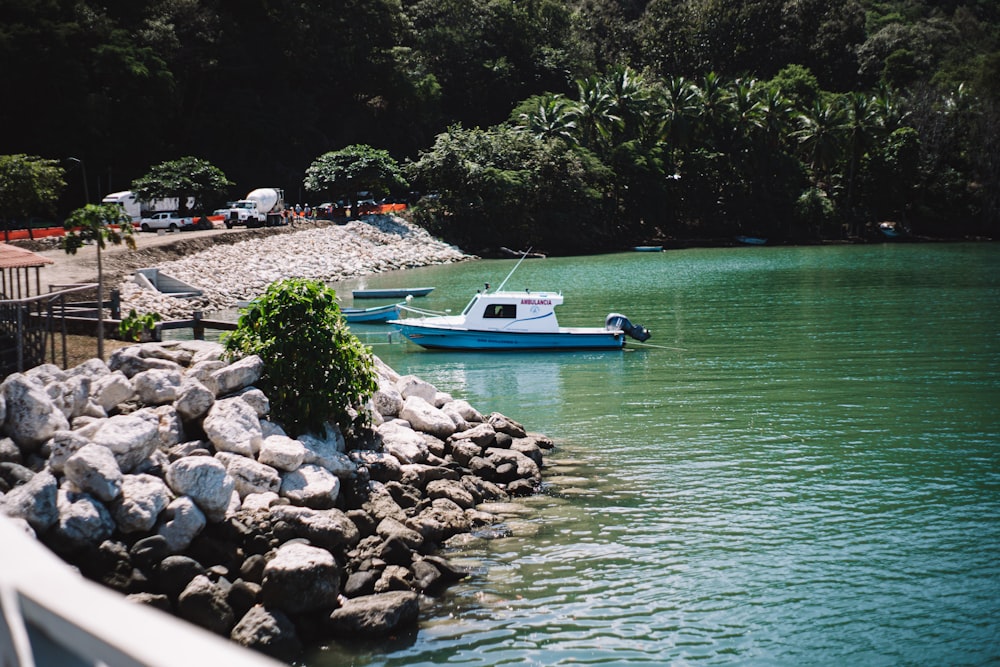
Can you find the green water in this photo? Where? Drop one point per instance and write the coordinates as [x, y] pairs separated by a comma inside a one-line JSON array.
[[809, 476]]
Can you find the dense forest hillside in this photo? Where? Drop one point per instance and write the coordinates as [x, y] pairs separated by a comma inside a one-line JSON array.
[[658, 118]]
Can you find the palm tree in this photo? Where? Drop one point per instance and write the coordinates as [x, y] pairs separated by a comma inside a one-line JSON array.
[[553, 118], [97, 223], [820, 137], [595, 117]]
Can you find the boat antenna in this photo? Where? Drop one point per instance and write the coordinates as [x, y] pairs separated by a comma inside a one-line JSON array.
[[513, 270]]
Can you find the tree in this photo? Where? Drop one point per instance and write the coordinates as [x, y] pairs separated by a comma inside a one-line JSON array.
[[28, 185], [98, 223], [317, 370], [354, 169], [183, 178]]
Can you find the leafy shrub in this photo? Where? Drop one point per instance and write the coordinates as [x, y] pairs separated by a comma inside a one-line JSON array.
[[315, 370], [133, 326]]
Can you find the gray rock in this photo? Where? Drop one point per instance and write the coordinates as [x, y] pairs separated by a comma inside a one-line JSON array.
[[256, 399], [529, 447], [281, 452], [203, 372], [483, 435], [469, 413], [94, 470], [250, 477], [142, 499], [427, 418], [522, 466], [381, 467], [184, 522], [411, 385], [169, 424], [329, 453], [330, 529], [394, 578], [441, 520], [233, 426], [204, 603], [157, 386], [46, 374], [32, 417], [463, 451], [35, 501], [194, 399], [205, 481], [402, 442], [155, 600], [387, 400], [131, 362], [82, 521], [9, 451], [301, 578], [239, 375], [111, 389], [269, 631], [93, 368], [504, 424], [310, 486], [71, 396], [62, 446], [131, 438], [374, 616], [453, 491], [381, 505], [392, 528], [174, 573]]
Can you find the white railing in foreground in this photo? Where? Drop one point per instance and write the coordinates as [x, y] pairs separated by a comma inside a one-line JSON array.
[[50, 616]]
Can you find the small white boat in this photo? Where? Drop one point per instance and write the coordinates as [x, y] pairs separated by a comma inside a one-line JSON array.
[[515, 321], [373, 315], [391, 293], [892, 230]]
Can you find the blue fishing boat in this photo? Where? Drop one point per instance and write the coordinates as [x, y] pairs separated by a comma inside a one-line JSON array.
[[500, 320], [373, 315], [751, 240], [647, 248], [391, 292], [515, 321]]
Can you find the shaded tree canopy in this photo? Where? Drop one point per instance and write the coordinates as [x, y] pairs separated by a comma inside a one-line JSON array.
[[261, 89], [183, 178]]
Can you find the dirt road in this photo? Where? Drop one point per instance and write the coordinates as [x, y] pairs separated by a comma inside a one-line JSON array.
[[151, 249]]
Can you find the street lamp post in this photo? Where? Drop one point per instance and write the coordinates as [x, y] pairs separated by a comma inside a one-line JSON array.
[[83, 168]]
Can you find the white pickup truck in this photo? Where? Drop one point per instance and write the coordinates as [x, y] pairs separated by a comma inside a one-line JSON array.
[[169, 220]]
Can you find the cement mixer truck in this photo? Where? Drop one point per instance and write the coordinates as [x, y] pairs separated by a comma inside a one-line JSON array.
[[261, 207]]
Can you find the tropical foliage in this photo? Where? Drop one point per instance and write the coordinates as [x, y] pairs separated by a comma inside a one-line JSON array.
[[680, 117]]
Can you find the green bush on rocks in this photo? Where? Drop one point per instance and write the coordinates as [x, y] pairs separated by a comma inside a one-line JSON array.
[[316, 370]]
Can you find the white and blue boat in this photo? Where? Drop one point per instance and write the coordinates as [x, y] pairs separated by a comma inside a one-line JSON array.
[[373, 315], [500, 320], [515, 321]]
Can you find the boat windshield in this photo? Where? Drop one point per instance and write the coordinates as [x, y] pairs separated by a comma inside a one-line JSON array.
[[469, 307]]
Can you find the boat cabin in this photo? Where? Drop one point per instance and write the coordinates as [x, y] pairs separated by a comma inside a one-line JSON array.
[[513, 311]]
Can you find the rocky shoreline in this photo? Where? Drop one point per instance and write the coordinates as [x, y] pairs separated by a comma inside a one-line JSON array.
[[159, 475], [230, 274]]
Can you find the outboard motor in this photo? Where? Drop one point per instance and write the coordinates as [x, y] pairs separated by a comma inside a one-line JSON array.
[[618, 321]]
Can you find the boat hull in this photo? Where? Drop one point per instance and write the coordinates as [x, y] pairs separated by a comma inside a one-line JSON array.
[[379, 314], [391, 293], [435, 338]]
